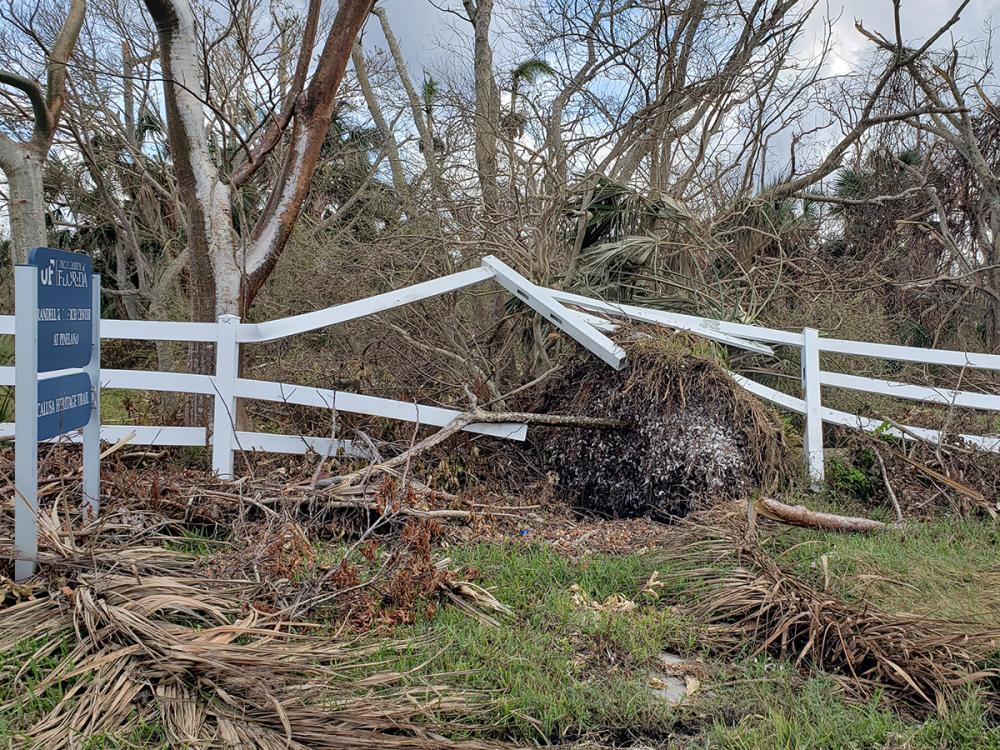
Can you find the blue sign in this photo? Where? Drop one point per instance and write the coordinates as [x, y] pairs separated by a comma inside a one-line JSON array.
[[64, 404], [65, 301]]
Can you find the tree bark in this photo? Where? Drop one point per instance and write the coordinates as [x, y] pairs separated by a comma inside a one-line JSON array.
[[227, 269], [799, 515], [487, 115], [24, 163], [424, 129], [391, 147]]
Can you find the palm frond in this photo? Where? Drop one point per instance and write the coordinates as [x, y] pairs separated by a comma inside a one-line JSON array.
[[530, 71], [748, 600]]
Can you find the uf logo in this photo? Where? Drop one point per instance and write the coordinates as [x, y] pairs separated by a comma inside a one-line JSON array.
[[47, 275]]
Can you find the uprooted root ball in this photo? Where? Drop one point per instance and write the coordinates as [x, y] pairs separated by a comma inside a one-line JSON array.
[[697, 437]]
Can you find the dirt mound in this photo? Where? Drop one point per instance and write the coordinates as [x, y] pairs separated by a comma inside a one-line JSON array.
[[697, 437]]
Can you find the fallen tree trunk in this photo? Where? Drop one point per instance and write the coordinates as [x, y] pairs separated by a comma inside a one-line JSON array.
[[799, 515]]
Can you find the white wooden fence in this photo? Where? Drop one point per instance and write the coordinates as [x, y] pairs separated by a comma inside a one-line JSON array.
[[585, 319]]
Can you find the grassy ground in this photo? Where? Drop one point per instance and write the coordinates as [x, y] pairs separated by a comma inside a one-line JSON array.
[[944, 567], [561, 671], [30, 706], [573, 662]]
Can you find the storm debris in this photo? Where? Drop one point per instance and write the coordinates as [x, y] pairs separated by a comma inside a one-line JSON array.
[[696, 437]]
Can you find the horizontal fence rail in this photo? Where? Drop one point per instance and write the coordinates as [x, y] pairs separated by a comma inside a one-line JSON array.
[[585, 319]]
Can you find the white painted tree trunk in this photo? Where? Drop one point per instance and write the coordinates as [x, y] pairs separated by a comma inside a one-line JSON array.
[[23, 168]]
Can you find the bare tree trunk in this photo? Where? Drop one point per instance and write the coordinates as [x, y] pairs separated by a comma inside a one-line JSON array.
[[424, 129], [391, 147], [23, 166], [487, 116], [799, 515], [24, 163], [227, 269]]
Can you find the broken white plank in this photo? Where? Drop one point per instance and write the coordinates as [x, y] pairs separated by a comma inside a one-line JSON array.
[[541, 301], [373, 406], [733, 334], [601, 324], [944, 396], [276, 329], [300, 445]]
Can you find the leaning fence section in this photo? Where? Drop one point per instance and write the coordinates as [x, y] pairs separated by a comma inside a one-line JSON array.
[[587, 320]]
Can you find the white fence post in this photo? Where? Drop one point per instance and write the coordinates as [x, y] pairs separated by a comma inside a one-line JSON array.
[[813, 439], [227, 358]]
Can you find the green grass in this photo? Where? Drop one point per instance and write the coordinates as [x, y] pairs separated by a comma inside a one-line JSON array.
[[773, 708], [19, 672], [558, 670], [561, 671]]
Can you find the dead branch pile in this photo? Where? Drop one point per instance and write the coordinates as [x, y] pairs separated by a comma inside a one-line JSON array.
[[309, 552], [747, 601], [696, 437], [222, 648]]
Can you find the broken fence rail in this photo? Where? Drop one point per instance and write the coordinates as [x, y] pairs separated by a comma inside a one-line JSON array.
[[585, 319]]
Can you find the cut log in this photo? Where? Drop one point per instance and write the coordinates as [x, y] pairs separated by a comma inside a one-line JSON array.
[[799, 515]]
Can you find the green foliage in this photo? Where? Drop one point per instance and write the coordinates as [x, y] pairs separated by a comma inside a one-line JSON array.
[[627, 249], [429, 92], [852, 478], [530, 71]]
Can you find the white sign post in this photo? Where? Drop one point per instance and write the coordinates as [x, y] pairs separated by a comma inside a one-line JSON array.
[[56, 333], [25, 421]]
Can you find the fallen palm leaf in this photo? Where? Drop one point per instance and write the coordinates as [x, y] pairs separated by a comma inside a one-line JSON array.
[[747, 600], [140, 635]]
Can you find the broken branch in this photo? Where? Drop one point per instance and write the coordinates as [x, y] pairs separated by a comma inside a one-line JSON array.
[[799, 515]]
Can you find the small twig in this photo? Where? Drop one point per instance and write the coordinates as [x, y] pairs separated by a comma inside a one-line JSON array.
[[888, 487]]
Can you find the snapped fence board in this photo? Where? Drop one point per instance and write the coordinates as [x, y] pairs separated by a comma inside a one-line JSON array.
[[543, 302]]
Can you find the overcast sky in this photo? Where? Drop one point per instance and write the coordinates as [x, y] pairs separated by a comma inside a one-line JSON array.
[[420, 26]]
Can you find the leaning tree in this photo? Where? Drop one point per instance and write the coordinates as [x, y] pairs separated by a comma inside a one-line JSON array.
[[23, 160]]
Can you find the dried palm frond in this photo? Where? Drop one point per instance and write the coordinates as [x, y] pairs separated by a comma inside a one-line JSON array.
[[748, 601], [139, 635]]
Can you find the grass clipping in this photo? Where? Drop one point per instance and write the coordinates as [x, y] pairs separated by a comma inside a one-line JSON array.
[[697, 438], [747, 601]]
